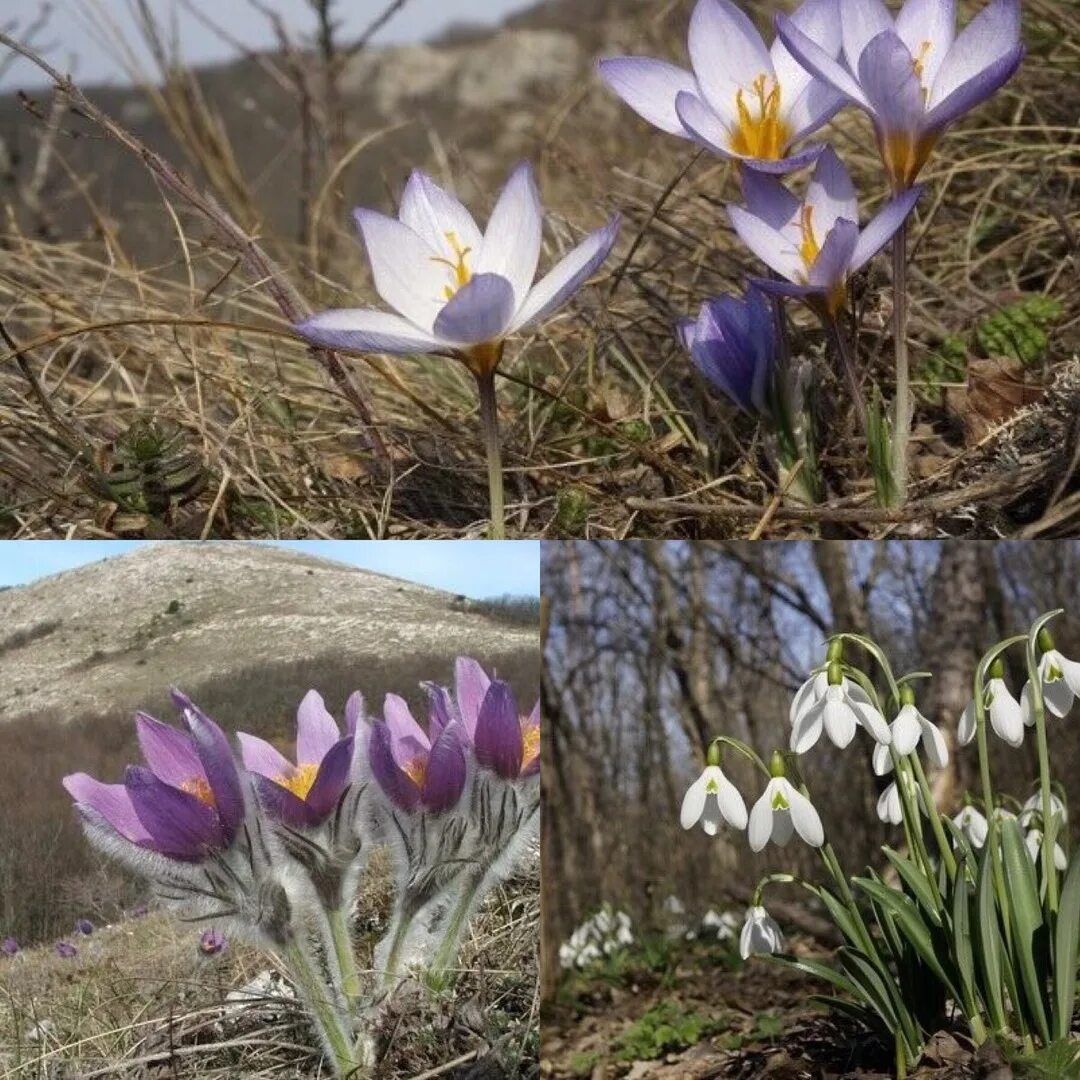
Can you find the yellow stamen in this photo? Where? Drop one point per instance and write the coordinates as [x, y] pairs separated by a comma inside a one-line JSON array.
[[458, 266], [530, 741], [300, 781], [919, 60], [765, 135], [198, 787], [809, 249], [416, 771]]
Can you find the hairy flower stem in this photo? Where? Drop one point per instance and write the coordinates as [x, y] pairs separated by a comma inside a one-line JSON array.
[[902, 411], [455, 925], [489, 421], [346, 957], [846, 356], [403, 921]]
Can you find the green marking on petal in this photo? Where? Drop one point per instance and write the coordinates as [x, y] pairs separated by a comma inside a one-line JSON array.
[[711, 787], [1054, 674], [779, 801]]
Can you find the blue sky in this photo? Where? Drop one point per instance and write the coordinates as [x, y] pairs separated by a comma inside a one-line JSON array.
[[474, 568]]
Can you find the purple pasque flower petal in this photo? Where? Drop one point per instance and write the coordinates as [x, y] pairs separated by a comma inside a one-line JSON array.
[[772, 247], [9, 946], [367, 330], [408, 274], [435, 215], [316, 730], [882, 227], [66, 950], [830, 269], [398, 786], [861, 22], [498, 742], [211, 942], [830, 194], [332, 779], [441, 713], [471, 683], [284, 805], [817, 61], [511, 247], [567, 276], [218, 764], [479, 311], [407, 738], [887, 77], [169, 753], [180, 825], [84, 927], [976, 90], [110, 802], [992, 36], [649, 87], [355, 714], [444, 780], [263, 758], [726, 53], [927, 28]]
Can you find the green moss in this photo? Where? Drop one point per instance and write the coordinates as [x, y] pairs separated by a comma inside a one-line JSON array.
[[1020, 330], [571, 511], [663, 1029]]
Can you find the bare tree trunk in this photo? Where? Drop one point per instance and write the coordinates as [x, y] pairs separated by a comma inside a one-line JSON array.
[[833, 560], [550, 855]]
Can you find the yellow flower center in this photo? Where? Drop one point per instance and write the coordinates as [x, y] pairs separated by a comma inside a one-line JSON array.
[[809, 249], [198, 787], [459, 266], [300, 780], [530, 740], [416, 771], [761, 132], [918, 61]]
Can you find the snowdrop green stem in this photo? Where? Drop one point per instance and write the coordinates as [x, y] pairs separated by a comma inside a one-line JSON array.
[[741, 748], [489, 422], [944, 847]]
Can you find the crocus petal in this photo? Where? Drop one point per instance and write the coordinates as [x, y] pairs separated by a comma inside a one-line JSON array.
[[111, 801], [332, 779], [890, 84], [179, 824], [808, 727], [398, 787], [818, 103], [883, 226], [408, 740], [282, 805], [830, 194], [861, 22], [511, 247], [407, 273], [976, 90], [693, 804], [649, 87], [498, 740], [726, 52], [768, 199], [446, 772], [937, 752], [805, 818], [568, 275], [316, 730], [262, 758], [927, 27], [770, 246], [169, 753], [366, 330], [820, 21], [434, 214], [816, 60], [704, 124], [731, 803], [471, 683], [786, 288], [799, 160], [830, 268], [760, 827], [479, 311], [990, 37]]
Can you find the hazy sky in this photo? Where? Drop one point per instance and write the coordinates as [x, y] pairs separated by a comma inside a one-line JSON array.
[[68, 35], [475, 568]]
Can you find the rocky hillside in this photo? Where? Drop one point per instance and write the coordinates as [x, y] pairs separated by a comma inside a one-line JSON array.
[[111, 635]]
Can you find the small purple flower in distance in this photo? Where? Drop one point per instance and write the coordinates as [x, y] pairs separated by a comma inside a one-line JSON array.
[[742, 100], [187, 803], [9, 946], [304, 794], [414, 770], [66, 950], [212, 942], [456, 291], [732, 343], [815, 244], [913, 75], [140, 911], [84, 927]]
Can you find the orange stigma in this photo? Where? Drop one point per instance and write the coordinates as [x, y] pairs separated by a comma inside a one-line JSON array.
[[458, 266], [416, 771], [198, 787], [765, 135], [300, 781], [809, 249]]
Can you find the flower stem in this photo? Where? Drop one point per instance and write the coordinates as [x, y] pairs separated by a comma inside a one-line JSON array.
[[847, 361], [935, 818], [1048, 829], [454, 927], [402, 922], [346, 957], [489, 421], [902, 411]]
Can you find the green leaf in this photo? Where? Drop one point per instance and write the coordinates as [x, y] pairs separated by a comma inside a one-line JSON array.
[[986, 926], [821, 971], [875, 990], [916, 881], [1066, 943], [840, 915], [1027, 919], [961, 930]]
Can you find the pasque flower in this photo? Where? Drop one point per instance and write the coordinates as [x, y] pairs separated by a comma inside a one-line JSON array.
[[814, 244], [9, 946], [303, 794], [65, 950], [913, 75], [505, 741], [742, 100], [211, 942], [782, 810], [760, 934], [833, 703], [84, 927], [186, 802], [455, 290], [711, 798]]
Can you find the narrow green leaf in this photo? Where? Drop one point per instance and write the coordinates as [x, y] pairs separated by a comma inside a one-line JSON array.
[[1066, 943], [840, 915], [916, 881], [961, 930], [865, 975], [986, 927], [820, 971]]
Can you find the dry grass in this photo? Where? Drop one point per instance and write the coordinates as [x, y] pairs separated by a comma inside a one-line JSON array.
[[607, 433]]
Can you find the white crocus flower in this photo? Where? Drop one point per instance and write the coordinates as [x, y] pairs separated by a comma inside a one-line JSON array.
[[973, 825], [1006, 717], [1034, 842], [760, 934], [710, 799], [779, 812], [1033, 807], [910, 727], [835, 709]]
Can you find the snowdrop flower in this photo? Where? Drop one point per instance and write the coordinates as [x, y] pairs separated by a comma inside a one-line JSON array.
[[814, 244], [834, 704], [1034, 841], [1033, 808], [973, 825], [913, 75], [890, 806], [782, 810], [742, 100], [910, 727], [1006, 715], [712, 797], [1060, 681], [457, 291], [760, 934]]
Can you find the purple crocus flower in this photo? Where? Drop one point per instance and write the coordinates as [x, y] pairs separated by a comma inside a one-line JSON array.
[[742, 100], [84, 927], [814, 244], [911, 75], [415, 770], [732, 343], [187, 803], [304, 794], [456, 291], [212, 942], [66, 950], [9, 946]]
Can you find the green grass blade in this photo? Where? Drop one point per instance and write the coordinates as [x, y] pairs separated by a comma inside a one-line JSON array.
[[986, 927], [1066, 943]]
